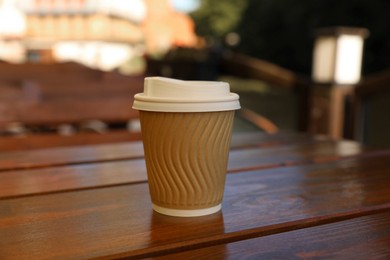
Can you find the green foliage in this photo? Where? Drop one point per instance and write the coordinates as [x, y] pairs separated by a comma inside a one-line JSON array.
[[218, 17]]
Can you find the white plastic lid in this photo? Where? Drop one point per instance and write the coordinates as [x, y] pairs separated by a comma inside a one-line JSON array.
[[173, 95]]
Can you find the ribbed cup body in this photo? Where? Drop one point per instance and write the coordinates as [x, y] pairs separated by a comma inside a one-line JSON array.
[[186, 157]]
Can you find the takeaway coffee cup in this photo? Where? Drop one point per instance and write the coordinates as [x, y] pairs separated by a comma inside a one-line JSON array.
[[186, 130]]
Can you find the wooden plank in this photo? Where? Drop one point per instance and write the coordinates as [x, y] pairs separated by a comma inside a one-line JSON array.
[[366, 237], [125, 150], [61, 179], [53, 72], [85, 176], [108, 85], [40, 141], [294, 154], [70, 155], [65, 111], [109, 152], [119, 222], [261, 139]]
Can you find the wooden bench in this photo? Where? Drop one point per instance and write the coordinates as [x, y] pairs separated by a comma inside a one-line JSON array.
[[38, 102], [35, 103]]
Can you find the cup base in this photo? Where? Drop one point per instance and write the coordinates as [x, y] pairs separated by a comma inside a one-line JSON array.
[[187, 212]]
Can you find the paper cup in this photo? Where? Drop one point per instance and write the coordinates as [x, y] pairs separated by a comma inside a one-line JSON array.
[[186, 152]]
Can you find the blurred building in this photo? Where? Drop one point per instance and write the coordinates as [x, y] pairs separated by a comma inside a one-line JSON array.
[[98, 33], [83, 19], [164, 28]]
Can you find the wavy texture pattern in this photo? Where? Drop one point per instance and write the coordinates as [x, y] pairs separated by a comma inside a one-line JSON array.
[[186, 157]]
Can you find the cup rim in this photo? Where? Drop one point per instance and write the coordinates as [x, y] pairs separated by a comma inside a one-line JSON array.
[[143, 97]]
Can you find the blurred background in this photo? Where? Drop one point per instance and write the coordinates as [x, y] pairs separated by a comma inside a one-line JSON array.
[[63, 58]]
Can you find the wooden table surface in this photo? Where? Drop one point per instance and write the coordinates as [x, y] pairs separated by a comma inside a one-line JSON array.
[[287, 196]]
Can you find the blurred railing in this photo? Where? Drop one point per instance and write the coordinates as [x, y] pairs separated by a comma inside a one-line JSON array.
[[372, 109], [251, 68]]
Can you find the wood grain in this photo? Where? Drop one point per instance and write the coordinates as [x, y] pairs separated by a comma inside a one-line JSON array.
[[119, 222], [108, 152], [117, 171], [126, 150], [326, 150], [70, 155], [60, 179], [365, 237], [43, 141]]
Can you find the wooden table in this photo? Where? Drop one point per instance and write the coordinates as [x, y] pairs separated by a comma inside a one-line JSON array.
[[287, 196]]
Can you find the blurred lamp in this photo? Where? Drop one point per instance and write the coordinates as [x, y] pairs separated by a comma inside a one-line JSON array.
[[337, 55]]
